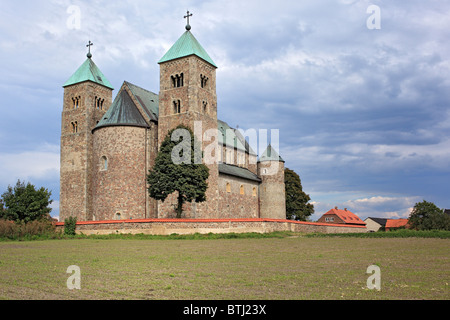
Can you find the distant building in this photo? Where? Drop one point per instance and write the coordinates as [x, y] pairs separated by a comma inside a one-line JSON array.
[[339, 216], [396, 223], [374, 224]]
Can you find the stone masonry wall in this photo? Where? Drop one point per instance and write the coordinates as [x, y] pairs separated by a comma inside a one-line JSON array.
[[76, 146], [193, 98], [204, 226], [120, 189], [272, 190], [239, 199]]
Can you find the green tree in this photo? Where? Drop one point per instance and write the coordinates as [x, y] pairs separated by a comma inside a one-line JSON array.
[[297, 206], [70, 226], [427, 216], [25, 203], [178, 168]]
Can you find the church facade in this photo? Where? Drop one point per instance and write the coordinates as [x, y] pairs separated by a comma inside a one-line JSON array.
[[108, 146]]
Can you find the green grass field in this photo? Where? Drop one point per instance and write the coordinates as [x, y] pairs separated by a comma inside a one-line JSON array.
[[215, 269]]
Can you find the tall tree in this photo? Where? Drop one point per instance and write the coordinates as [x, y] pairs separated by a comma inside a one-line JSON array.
[[26, 203], [427, 216], [297, 206], [178, 168]]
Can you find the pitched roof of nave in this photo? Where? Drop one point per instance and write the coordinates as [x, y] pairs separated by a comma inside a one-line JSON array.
[[148, 100], [88, 71], [236, 171]]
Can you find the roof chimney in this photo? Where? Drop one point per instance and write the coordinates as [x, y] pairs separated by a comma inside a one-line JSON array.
[[335, 207], [345, 209]]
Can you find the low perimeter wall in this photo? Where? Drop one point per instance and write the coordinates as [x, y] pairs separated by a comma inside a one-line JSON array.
[[190, 226]]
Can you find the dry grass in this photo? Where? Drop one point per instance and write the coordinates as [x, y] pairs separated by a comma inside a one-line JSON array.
[[271, 269]]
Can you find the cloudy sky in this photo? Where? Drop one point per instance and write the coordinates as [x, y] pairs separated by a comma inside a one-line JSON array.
[[360, 94]]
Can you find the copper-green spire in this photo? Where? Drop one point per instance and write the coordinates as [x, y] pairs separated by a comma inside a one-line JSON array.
[[88, 71], [185, 46]]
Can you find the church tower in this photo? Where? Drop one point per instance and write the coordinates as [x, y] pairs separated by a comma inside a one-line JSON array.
[[272, 193], [87, 96], [188, 96]]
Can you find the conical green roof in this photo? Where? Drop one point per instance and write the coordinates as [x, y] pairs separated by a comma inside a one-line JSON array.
[[88, 71], [123, 112], [185, 46], [270, 155]]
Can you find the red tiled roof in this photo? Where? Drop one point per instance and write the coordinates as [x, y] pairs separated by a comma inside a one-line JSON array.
[[396, 223], [346, 216]]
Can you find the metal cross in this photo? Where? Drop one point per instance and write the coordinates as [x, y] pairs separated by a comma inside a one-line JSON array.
[[89, 45], [188, 15]]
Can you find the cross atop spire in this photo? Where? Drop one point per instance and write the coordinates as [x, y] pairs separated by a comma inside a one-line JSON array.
[[188, 26], [89, 55]]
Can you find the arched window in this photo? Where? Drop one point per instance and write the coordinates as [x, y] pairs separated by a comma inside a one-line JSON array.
[[177, 80], [229, 156], [118, 216], [76, 102], [203, 81], [241, 159], [228, 187], [74, 127], [254, 192], [104, 163], [241, 189], [177, 106]]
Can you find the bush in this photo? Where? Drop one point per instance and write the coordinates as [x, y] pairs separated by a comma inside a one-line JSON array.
[[8, 229], [38, 227], [17, 230], [70, 225]]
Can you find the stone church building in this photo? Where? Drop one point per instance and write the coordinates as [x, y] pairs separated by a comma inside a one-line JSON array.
[[108, 146]]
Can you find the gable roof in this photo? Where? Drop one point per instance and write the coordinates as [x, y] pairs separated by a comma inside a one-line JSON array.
[[123, 112], [238, 172], [345, 215], [185, 46], [270, 155], [148, 100], [380, 221], [88, 71], [396, 223]]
